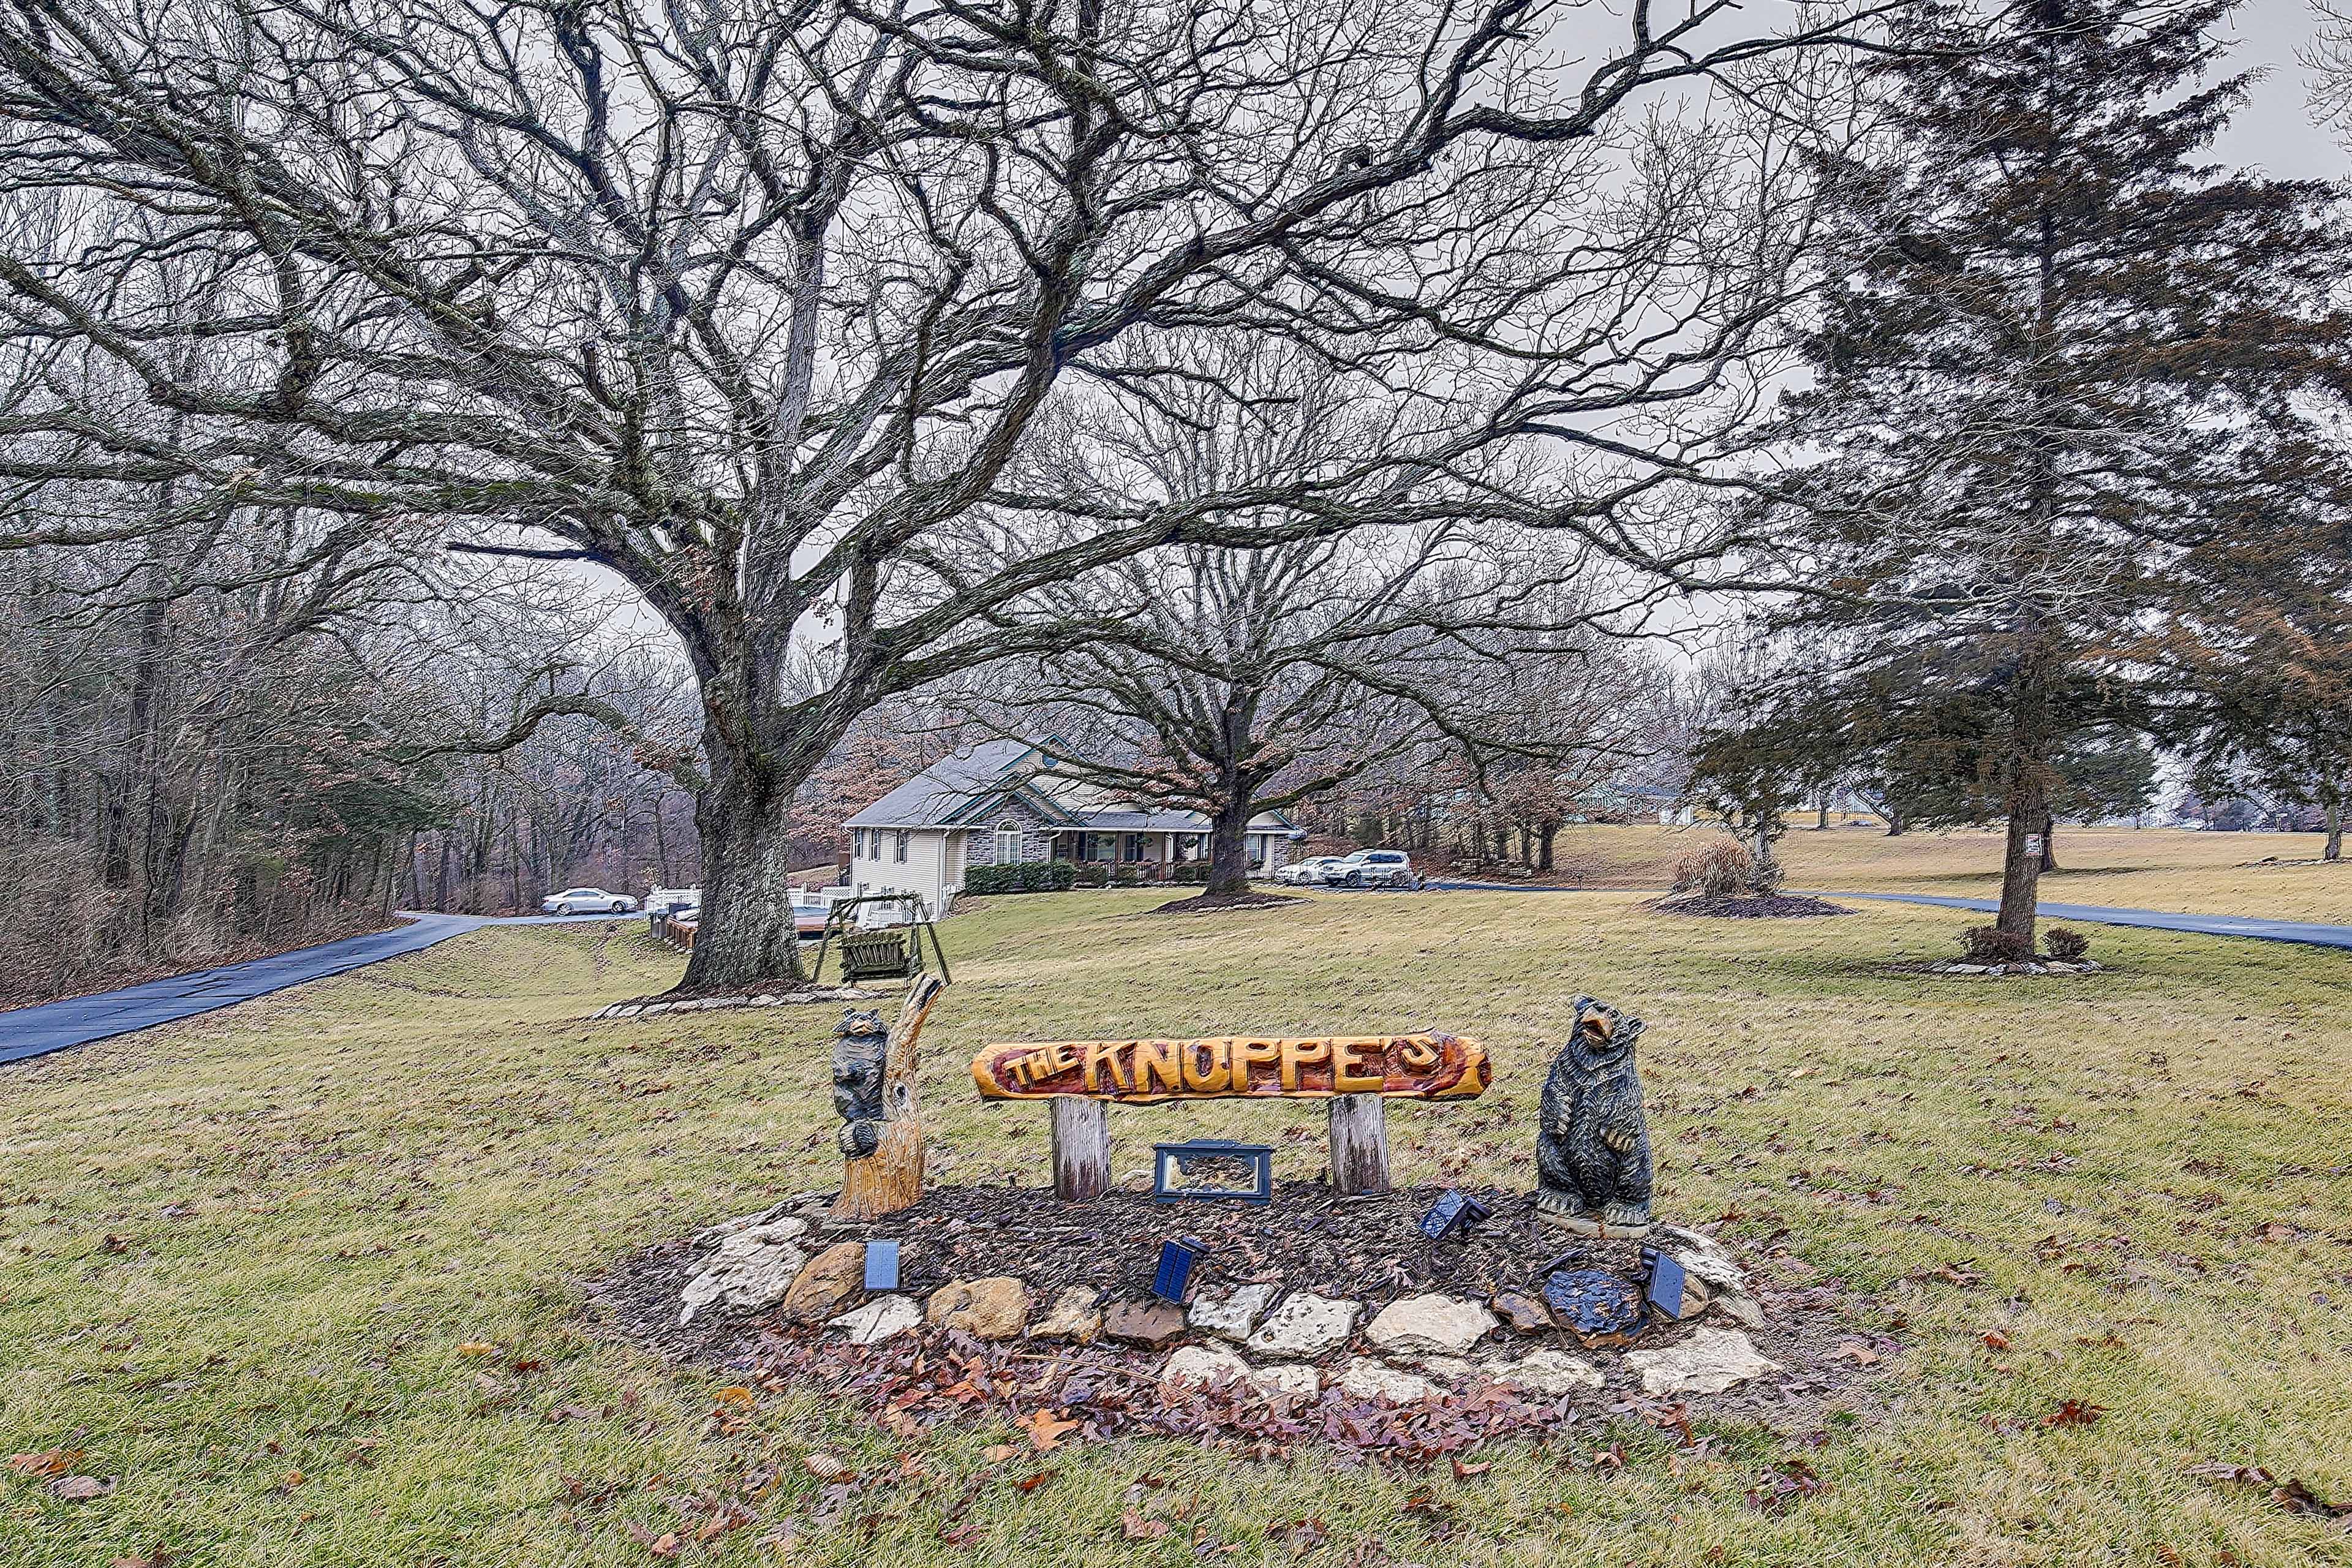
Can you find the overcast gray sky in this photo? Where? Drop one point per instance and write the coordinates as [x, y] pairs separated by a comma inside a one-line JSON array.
[[2274, 130]]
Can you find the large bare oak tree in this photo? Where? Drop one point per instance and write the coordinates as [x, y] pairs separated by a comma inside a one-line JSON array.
[[755, 304]]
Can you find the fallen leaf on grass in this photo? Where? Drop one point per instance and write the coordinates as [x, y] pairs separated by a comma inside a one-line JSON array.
[[476, 1347], [79, 1489], [2075, 1413], [1463, 1472], [1778, 1488], [2291, 1494], [1135, 1527], [961, 1536], [1856, 1351], [1994, 1340], [1301, 1535], [739, 1396], [1046, 1430], [49, 1462], [1029, 1483], [156, 1558]]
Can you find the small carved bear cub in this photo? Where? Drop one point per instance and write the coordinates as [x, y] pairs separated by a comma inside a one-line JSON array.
[[1592, 1147], [860, 1044]]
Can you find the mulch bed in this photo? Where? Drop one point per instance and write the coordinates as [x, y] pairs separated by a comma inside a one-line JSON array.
[[1201, 904], [1749, 906], [1368, 1249]]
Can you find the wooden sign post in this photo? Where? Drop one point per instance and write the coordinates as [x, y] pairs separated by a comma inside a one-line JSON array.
[[1357, 1074]]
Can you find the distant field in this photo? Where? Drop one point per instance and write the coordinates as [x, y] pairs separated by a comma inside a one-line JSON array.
[[2155, 869]]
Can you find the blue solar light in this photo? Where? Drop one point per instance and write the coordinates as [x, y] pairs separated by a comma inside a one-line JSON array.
[[1665, 1281], [1175, 1276], [1453, 1211], [881, 1266]]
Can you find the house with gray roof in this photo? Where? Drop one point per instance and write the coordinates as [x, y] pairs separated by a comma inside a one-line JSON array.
[[988, 804]]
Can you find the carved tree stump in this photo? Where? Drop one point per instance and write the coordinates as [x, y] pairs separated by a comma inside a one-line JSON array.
[[1081, 1148], [892, 1178], [1359, 1143]]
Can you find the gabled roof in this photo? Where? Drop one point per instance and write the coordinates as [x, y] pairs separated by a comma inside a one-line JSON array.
[[934, 797], [966, 788]]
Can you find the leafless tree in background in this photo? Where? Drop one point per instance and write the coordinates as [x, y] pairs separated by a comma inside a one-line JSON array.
[[755, 306]]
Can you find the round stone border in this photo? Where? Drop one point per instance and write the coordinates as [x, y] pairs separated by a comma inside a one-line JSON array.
[[1997, 971]]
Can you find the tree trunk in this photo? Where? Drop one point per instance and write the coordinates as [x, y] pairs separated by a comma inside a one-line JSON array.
[[2335, 849], [1823, 819], [2049, 842], [1229, 851], [1544, 838], [2020, 872], [747, 935]]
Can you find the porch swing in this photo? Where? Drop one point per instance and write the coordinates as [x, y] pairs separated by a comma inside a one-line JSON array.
[[890, 952]]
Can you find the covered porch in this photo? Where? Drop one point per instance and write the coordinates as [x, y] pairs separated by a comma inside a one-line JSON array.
[[1153, 853]]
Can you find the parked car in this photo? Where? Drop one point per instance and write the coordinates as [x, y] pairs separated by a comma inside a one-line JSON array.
[[1312, 872], [1375, 868], [586, 900]]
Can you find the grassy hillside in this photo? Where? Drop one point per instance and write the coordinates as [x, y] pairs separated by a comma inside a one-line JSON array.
[[307, 1276], [2157, 868]]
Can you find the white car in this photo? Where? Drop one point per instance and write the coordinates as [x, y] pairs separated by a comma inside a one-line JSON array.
[[1312, 872], [1374, 869], [586, 900]]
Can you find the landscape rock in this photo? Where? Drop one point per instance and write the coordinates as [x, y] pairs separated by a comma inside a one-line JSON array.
[[752, 1266], [1231, 1314], [1710, 1362], [1430, 1325], [1551, 1373], [1523, 1312], [1305, 1326], [1071, 1315], [1287, 1379], [1708, 1263], [833, 1278], [1453, 1369], [1151, 1324], [883, 1317], [1198, 1366], [996, 1308], [1364, 1378], [1136, 1181]]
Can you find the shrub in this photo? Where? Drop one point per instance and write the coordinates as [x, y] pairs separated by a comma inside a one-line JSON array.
[[1021, 877], [2065, 943], [1991, 944], [1194, 872], [1091, 876], [1720, 868]]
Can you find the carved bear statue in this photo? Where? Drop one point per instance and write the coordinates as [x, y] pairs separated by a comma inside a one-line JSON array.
[[1592, 1147], [860, 1046]]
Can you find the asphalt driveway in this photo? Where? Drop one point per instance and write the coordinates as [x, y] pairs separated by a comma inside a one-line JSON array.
[[77, 1020]]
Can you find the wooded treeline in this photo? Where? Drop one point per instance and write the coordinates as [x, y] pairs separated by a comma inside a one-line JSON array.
[[1319, 407]]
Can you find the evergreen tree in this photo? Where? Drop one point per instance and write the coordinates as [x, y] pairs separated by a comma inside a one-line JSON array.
[[2053, 366]]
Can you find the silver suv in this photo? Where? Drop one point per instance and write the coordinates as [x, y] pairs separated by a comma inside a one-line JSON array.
[[1374, 869]]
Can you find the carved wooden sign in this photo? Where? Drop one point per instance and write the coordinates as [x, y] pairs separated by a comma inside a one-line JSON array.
[[1432, 1066]]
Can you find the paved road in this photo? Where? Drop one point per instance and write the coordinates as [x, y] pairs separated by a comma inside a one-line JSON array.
[[53, 1025], [2317, 935]]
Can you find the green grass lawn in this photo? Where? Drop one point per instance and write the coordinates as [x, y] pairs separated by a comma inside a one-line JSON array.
[[242, 1260]]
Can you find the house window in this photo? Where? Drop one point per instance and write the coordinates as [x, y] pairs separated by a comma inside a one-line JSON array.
[[857, 844], [898, 849], [1130, 847], [1008, 843]]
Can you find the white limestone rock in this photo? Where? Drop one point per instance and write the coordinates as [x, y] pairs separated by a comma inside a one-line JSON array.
[[1710, 1362], [1287, 1379], [752, 1266], [883, 1317], [1199, 1366], [1430, 1325], [1304, 1327], [1550, 1372], [1231, 1314], [1364, 1378]]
